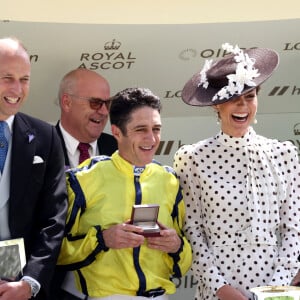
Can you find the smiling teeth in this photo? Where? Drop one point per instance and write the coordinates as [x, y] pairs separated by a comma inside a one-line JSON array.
[[147, 148], [240, 115], [96, 121], [12, 99]]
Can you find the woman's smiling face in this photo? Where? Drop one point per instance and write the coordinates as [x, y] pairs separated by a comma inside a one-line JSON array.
[[236, 115]]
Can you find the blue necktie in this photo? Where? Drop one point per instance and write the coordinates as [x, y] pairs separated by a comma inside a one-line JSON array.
[[3, 144]]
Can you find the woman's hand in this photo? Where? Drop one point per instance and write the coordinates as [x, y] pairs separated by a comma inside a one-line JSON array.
[[296, 280], [227, 292]]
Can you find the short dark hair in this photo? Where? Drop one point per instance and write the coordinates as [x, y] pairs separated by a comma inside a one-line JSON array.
[[127, 101]]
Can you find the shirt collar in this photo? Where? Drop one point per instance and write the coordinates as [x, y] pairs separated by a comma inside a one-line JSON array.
[[237, 142], [9, 122], [72, 143]]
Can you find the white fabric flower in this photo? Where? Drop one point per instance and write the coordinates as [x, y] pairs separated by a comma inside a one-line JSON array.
[[244, 74], [203, 80]]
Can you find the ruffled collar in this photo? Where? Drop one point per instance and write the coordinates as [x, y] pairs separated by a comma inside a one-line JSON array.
[[262, 172], [236, 142]]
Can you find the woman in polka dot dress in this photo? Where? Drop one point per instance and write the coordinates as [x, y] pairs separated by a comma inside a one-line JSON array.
[[242, 190]]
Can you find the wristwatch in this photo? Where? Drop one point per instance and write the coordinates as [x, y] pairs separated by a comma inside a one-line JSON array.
[[34, 285]]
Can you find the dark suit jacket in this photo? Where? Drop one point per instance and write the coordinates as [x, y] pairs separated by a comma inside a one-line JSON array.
[[107, 144], [38, 200]]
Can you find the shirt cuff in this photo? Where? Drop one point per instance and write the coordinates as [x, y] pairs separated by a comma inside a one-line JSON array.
[[34, 284]]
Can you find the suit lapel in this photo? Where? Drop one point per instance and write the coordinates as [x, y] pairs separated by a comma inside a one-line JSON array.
[[23, 150], [67, 163]]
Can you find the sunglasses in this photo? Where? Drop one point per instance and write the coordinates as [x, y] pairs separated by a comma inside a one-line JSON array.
[[95, 103]]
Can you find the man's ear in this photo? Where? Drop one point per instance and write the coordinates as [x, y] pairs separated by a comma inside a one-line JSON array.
[[65, 102], [116, 132]]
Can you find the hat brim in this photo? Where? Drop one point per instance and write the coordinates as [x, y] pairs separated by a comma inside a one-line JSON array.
[[266, 61]]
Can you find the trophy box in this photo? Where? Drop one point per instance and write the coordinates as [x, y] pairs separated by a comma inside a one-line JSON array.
[[145, 216]]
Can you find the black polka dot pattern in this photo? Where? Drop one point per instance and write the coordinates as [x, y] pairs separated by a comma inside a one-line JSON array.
[[242, 211]]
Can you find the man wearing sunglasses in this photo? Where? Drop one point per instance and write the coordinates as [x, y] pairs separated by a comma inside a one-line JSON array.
[[84, 103]]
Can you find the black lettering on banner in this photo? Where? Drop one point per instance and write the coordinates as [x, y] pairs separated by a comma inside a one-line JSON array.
[[176, 281], [207, 53], [170, 94], [118, 65], [97, 56], [278, 90], [82, 66], [84, 56], [34, 58], [281, 90], [167, 148], [193, 282], [291, 47], [106, 60], [159, 149], [94, 66], [107, 65], [186, 282], [296, 91], [119, 56], [108, 56], [188, 54]]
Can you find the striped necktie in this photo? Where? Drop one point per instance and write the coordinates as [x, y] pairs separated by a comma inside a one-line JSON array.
[[3, 144]]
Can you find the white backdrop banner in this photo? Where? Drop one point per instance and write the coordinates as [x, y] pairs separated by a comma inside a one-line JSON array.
[[163, 58]]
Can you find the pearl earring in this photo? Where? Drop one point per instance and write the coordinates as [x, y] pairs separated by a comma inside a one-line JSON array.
[[254, 121]]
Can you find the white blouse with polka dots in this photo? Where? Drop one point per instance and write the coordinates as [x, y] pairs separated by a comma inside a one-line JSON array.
[[242, 211]]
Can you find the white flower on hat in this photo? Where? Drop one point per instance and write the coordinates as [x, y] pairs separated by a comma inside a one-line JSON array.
[[244, 74], [206, 67]]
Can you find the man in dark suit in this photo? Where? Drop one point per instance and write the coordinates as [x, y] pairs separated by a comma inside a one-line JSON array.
[[84, 103], [33, 201]]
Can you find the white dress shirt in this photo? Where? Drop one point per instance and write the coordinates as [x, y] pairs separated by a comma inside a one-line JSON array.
[[71, 146]]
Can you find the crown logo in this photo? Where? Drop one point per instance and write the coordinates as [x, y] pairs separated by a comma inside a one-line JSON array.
[[113, 45]]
